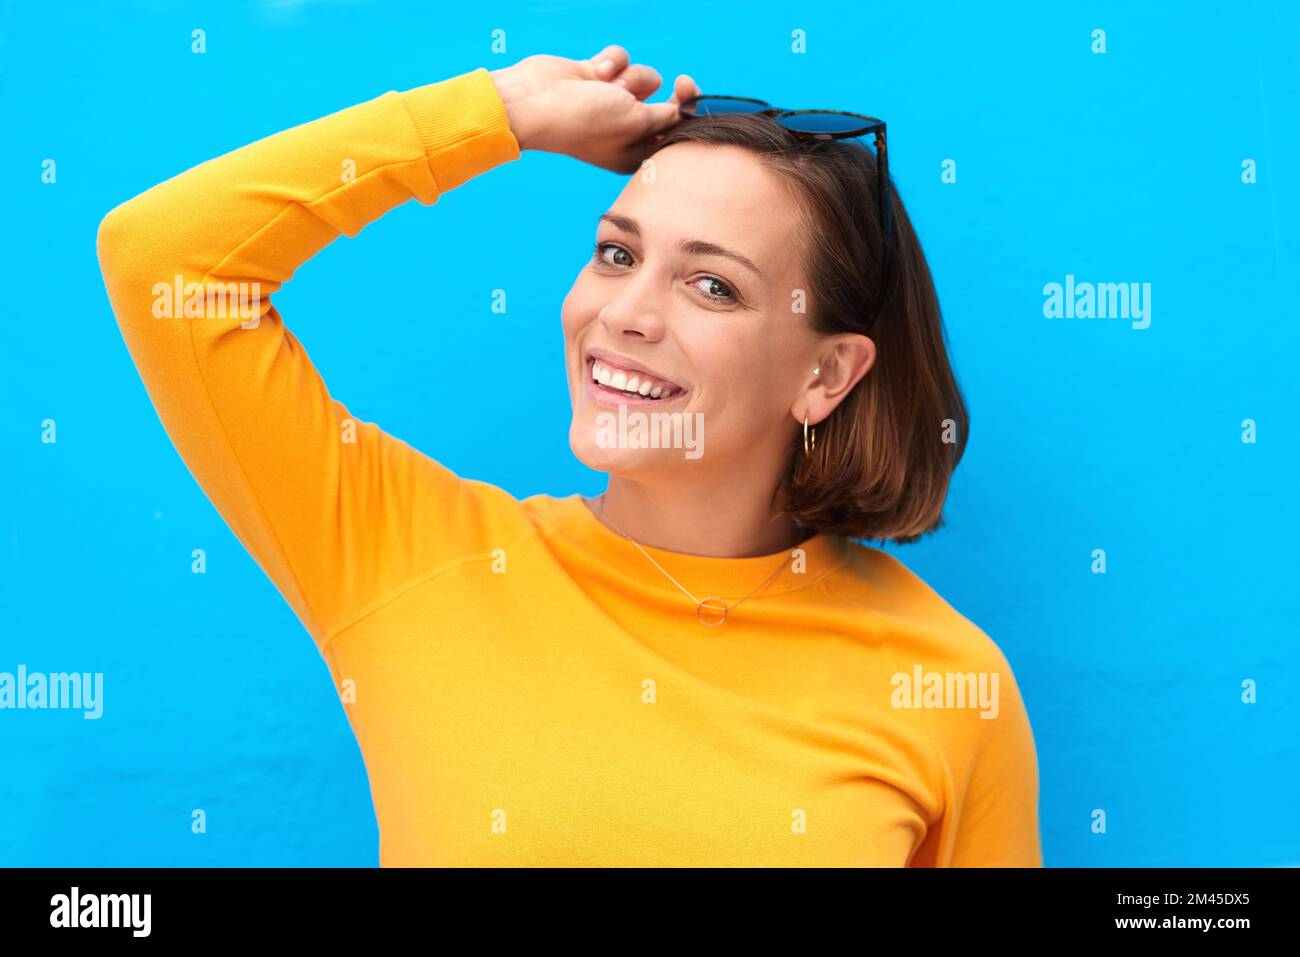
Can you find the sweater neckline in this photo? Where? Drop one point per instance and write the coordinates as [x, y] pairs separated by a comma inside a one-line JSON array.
[[703, 575]]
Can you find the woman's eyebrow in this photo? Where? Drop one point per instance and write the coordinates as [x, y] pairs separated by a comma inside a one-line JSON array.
[[696, 247]]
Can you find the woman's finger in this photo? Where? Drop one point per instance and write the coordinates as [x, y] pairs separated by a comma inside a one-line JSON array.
[[654, 120], [640, 80], [610, 62], [658, 117], [684, 88]]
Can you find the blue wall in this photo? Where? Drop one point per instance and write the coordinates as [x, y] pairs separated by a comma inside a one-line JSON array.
[[1117, 167]]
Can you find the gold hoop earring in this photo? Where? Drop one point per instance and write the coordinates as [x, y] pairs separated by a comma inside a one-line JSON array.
[[809, 438]]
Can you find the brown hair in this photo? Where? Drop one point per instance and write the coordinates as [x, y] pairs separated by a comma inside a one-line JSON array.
[[881, 465]]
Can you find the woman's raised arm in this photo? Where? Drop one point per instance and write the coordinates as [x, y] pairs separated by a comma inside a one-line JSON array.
[[325, 503], [336, 512]]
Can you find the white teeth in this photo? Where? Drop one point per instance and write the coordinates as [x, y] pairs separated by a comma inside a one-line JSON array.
[[630, 383]]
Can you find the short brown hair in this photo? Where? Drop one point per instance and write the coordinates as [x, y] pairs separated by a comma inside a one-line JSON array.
[[883, 459]]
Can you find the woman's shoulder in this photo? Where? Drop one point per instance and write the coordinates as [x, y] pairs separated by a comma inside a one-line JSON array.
[[909, 610], [946, 664]]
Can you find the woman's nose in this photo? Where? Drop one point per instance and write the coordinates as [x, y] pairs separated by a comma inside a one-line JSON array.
[[637, 309]]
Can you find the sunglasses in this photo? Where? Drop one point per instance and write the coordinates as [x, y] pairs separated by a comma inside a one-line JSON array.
[[819, 125]]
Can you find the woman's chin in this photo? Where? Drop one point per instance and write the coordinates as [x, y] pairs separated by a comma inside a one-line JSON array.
[[636, 440], [584, 441], [593, 449]]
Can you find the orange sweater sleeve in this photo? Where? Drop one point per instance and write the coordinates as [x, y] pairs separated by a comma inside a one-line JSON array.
[[336, 512], [998, 808]]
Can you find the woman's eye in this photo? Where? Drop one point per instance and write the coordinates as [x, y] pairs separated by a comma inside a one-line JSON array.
[[603, 248], [711, 290], [608, 254]]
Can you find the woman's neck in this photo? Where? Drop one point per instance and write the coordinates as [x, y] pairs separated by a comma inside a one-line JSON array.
[[717, 519]]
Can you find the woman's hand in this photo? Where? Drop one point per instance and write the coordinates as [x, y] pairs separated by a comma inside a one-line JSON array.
[[593, 110]]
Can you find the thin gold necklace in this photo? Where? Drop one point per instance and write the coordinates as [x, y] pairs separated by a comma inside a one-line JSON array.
[[711, 603]]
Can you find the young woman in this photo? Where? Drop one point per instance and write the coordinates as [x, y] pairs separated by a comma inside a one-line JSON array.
[[698, 668]]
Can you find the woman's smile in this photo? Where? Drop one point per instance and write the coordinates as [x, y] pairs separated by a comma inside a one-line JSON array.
[[613, 380]]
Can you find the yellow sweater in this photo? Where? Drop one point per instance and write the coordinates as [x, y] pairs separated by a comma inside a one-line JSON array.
[[526, 689]]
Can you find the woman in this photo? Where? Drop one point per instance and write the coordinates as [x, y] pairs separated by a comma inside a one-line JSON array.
[[698, 668]]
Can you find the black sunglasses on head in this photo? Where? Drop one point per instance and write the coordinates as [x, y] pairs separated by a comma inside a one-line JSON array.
[[821, 125]]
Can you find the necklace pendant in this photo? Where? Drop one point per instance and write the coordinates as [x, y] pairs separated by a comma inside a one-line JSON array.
[[711, 611]]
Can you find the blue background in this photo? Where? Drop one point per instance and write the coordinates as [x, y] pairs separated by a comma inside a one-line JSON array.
[[1085, 434]]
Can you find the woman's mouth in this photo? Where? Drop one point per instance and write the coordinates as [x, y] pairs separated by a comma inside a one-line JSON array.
[[608, 380]]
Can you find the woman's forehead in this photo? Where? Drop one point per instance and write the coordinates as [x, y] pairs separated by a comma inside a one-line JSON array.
[[718, 195]]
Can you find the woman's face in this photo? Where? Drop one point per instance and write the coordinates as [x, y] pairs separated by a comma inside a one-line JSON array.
[[694, 293]]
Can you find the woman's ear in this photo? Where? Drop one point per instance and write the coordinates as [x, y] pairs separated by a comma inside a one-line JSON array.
[[842, 363]]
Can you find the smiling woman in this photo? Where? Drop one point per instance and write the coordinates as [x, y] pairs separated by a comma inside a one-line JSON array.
[[777, 338], [698, 669]]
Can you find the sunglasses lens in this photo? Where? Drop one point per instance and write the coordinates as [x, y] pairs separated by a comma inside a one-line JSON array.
[[823, 122], [714, 105]]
